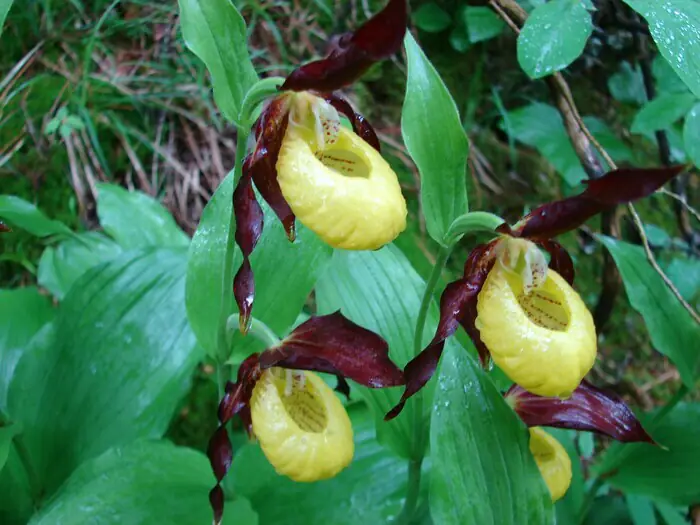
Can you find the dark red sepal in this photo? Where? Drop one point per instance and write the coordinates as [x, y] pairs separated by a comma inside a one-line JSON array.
[[351, 54], [244, 293], [457, 307], [334, 344], [560, 260], [270, 130], [249, 226], [616, 187], [589, 408], [4, 228], [236, 401], [359, 123]]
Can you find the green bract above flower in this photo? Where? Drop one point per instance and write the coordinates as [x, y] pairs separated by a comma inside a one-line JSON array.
[[307, 166]]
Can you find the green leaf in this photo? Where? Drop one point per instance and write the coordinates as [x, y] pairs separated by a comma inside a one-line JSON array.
[[439, 152], [215, 31], [553, 36], [609, 510], [370, 490], [22, 314], [482, 470], [685, 274], [16, 504], [62, 265], [5, 6], [691, 134], [113, 367], [482, 23], [675, 27], [569, 506], [627, 85], [641, 510], [285, 272], [431, 18], [25, 215], [667, 474], [672, 330], [662, 112], [144, 482], [136, 220], [671, 515], [7, 432], [665, 78], [540, 126], [382, 292]]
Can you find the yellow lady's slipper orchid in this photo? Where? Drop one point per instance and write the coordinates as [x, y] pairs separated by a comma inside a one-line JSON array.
[[301, 425], [552, 460], [535, 326], [336, 183]]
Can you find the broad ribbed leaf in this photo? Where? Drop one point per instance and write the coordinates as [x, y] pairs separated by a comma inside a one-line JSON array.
[[62, 265], [135, 220], [553, 36], [482, 470], [285, 273], [665, 474], [371, 490], [381, 291], [440, 152], [144, 482], [215, 31], [113, 368], [675, 26], [22, 214], [23, 312], [672, 330]]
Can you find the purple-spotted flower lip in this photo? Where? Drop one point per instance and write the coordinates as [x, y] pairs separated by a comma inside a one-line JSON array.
[[458, 301], [330, 344], [349, 56], [589, 408]]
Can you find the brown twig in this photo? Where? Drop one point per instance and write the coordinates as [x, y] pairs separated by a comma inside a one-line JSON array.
[[585, 145], [655, 265], [584, 142]]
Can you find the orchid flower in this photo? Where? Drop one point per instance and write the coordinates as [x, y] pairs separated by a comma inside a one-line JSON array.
[[307, 166], [301, 425], [521, 312]]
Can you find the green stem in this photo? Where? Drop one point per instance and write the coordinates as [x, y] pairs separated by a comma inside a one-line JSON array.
[[618, 453], [412, 493], [263, 333], [420, 429]]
